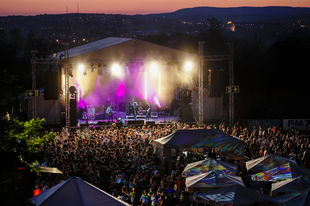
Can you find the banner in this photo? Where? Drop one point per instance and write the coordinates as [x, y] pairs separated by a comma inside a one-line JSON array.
[[299, 124], [264, 123]]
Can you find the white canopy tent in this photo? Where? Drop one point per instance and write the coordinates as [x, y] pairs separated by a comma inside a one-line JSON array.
[[207, 165], [210, 181], [267, 162]]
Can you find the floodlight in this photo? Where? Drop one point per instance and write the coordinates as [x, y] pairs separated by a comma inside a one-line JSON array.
[[116, 69], [188, 66], [81, 68], [154, 69]]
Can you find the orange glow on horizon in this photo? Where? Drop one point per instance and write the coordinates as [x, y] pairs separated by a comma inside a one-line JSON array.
[[36, 7]]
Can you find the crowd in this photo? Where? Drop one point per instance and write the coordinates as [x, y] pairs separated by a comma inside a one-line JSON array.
[[121, 161]]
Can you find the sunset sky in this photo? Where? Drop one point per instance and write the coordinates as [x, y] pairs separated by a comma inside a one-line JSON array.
[[34, 7]]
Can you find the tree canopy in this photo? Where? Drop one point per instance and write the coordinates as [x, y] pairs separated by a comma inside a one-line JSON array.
[[20, 150]]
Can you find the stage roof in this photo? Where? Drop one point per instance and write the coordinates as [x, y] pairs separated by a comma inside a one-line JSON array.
[[93, 46], [125, 50]]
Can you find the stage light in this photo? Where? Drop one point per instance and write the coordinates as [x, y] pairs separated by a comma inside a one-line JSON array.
[[72, 89], [116, 69], [100, 72], [70, 73], [154, 69], [188, 66], [92, 67], [81, 68]]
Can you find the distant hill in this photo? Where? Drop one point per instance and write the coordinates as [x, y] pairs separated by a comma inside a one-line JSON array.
[[243, 14]]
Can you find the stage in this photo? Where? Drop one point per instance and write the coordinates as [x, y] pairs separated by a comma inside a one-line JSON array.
[[161, 119]]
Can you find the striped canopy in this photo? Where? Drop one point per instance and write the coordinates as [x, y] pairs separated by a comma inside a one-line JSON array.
[[208, 165], [211, 180], [280, 173]]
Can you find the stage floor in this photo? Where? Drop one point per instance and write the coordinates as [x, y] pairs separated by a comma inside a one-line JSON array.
[[161, 119]]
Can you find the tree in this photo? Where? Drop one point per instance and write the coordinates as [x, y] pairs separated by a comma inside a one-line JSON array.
[[20, 149], [9, 91], [216, 41], [287, 63]]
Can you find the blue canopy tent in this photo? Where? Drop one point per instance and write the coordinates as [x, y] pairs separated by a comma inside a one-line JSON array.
[[75, 192], [290, 186], [233, 196], [298, 198], [231, 147]]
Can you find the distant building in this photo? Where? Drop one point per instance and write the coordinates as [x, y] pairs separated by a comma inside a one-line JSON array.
[[230, 26]]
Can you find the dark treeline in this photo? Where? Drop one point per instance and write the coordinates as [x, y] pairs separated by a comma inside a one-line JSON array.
[[273, 78]]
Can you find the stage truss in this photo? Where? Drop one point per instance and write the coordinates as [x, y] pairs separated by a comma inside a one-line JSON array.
[[202, 59]]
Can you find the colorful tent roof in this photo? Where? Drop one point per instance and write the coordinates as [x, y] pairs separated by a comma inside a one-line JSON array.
[[75, 191], [203, 138], [301, 198], [231, 196], [267, 162], [211, 180], [283, 172], [231, 147], [289, 186], [208, 165]]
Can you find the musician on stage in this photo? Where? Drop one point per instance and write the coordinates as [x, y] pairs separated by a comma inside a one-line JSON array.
[[110, 112], [84, 114], [135, 110], [132, 102], [148, 111]]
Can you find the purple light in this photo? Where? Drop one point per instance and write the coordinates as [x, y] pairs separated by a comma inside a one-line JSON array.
[[156, 101], [109, 88], [76, 84], [120, 92]]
